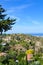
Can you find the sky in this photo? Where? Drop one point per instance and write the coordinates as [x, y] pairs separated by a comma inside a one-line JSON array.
[[28, 14]]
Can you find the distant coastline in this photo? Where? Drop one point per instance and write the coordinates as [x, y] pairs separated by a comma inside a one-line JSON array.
[[33, 34], [37, 34]]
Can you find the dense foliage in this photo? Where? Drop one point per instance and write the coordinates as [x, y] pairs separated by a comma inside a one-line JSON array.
[[13, 50]]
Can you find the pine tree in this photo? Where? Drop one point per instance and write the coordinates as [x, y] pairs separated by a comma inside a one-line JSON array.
[[5, 22]]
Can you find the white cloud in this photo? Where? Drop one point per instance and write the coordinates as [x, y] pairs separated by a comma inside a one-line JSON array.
[[32, 21], [23, 6], [18, 8], [35, 22]]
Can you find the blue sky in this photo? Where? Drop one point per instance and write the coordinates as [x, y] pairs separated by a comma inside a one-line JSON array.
[[29, 15]]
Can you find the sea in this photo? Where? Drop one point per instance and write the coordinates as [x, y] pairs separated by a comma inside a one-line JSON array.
[[37, 34]]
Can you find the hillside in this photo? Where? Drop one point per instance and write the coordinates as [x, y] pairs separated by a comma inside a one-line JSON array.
[[23, 41], [14, 46]]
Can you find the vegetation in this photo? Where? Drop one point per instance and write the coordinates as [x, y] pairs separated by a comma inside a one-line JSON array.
[[13, 50]]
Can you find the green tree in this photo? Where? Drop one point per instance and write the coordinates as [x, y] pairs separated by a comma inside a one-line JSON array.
[[5, 22]]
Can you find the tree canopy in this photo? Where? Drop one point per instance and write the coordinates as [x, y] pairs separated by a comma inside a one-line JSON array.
[[5, 22]]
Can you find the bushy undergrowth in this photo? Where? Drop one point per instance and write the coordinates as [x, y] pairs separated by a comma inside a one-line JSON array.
[[14, 56]]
